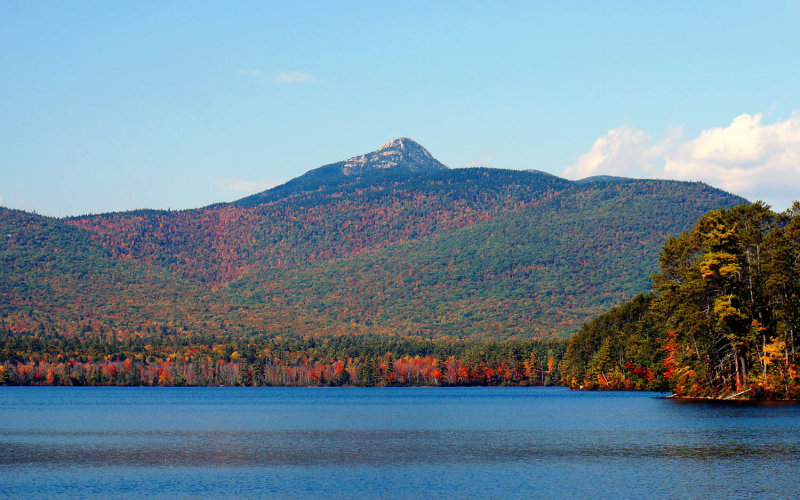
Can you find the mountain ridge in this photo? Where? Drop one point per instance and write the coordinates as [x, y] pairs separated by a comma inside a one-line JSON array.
[[409, 249]]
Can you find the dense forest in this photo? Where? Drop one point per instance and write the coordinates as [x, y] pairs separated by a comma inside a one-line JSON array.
[[276, 361], [722, 319], [719, 323], [621, 349], [391, 247], [412, 250]]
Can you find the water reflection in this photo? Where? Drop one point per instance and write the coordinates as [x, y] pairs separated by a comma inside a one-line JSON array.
[[377, 447]]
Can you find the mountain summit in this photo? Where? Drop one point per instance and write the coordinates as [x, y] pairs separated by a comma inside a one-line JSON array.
[[399, 153], [401, 156]]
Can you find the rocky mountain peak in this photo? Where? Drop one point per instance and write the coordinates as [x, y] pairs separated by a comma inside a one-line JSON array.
[[398, 153]]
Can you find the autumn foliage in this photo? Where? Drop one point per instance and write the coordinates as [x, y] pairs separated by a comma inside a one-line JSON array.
[[721, 323], [464, 253], [261, 361]]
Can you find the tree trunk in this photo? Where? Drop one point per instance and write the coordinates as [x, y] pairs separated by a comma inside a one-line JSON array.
[[744, 371]]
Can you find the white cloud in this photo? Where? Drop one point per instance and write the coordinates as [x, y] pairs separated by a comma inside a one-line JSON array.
[[294, 77], [619, 152], [748, 158]]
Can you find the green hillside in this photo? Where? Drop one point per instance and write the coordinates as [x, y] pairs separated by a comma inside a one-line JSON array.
[[56, 280], [536, 271], [387, 243]]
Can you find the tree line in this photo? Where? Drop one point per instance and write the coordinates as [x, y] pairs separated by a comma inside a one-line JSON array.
[[275, 361]]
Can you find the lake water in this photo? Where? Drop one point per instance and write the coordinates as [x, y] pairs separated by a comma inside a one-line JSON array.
[[389, 443]]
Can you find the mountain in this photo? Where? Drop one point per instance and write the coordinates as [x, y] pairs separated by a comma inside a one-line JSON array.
[[398, 157], [388, 243], [55, 278], [537, 270]]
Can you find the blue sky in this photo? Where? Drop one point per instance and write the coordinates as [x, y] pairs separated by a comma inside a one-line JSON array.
[[109, 106]]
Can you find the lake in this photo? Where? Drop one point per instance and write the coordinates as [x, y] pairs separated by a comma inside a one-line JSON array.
[[389, 443]]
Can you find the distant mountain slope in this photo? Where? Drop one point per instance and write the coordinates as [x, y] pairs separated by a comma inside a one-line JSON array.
[[536, 271], [55, 280], [54, 276], [225, 242], [391, 243]]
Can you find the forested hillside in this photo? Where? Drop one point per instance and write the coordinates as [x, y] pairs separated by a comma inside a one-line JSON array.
[[55, 280], [390, 243], [537, 270], [217, 244]]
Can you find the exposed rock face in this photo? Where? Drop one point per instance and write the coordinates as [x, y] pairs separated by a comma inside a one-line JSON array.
[[401, 152], [401, 156]]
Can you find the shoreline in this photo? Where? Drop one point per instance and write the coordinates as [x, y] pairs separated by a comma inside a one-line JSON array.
[[734, 401]]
